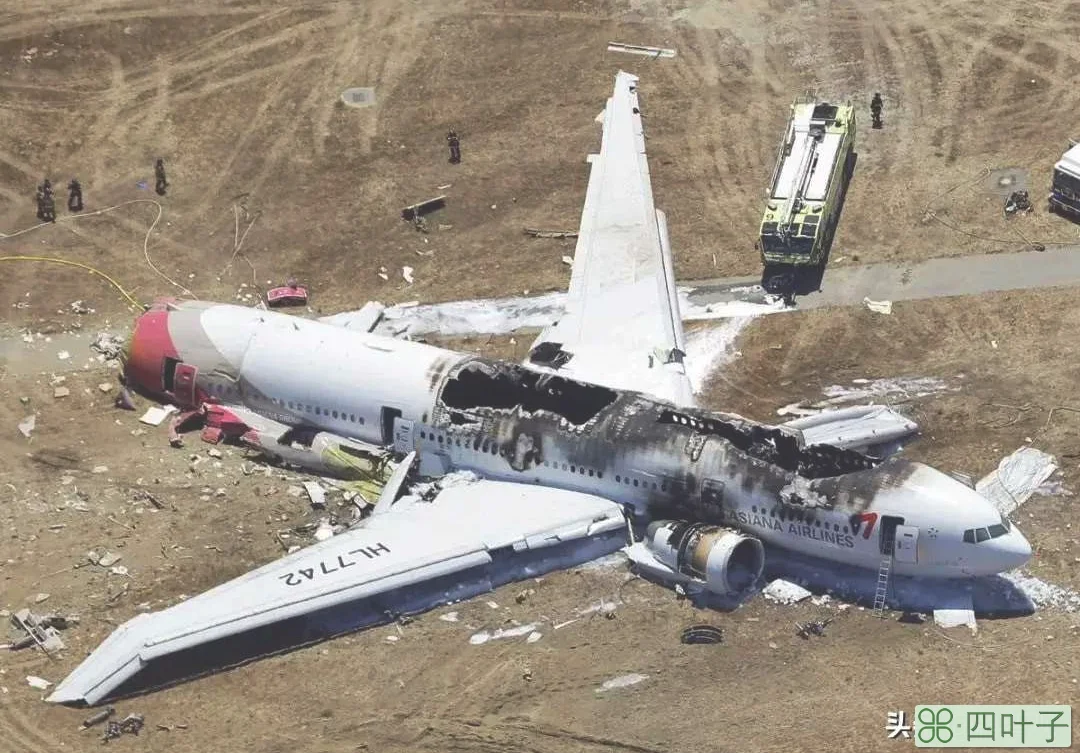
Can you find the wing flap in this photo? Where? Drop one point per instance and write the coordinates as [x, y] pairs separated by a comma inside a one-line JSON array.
[[403, 560]]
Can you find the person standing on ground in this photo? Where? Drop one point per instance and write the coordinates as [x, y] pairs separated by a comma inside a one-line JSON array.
[[75, 203], [875, 110], [160, 183], [455, 147]]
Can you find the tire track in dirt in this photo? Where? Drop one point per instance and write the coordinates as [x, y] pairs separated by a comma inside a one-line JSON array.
[[18, 734], [108, 122]]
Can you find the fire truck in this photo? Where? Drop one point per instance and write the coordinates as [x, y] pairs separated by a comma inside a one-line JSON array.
[[1065, 185], [813, 168]]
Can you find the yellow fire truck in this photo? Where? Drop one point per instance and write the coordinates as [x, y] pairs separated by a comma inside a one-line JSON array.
[[812, 171]]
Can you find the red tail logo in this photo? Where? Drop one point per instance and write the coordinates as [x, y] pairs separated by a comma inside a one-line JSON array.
[[869, 519]]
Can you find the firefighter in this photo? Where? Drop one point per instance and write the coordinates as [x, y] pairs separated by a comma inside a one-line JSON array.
[[39, 197], [160, 183], [75, 196], [455, 147], [48, 210], [875, 110]]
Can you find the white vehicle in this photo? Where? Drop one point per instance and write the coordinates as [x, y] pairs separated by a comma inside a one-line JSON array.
[[600, 419], [1065, 185]]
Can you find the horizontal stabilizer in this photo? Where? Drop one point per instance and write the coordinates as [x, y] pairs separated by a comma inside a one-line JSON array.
[[854, 428], [471, 538]]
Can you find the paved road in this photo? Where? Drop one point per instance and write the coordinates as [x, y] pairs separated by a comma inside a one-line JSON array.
[[934, 278]]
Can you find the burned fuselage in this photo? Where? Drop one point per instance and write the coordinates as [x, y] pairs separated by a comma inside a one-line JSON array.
[[508, 422]]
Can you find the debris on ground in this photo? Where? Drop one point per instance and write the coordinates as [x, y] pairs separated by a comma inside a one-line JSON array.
[[550, 233], [1017, 201], [61, 392], [316, 494], [639, 49], [130, 724], [109, 346], [40, 630], [815, 627], [879, 307], [449, 617], [419, 209], [26, 426], [157, 413], [702, 635], [289, 294], [1016, 478], [37, 682], [623, 681], [912, 618], [785, 592], [484, 636], [406, 273], [97, 718], [123, 400]]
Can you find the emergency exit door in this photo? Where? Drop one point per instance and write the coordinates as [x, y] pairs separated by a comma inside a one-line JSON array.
[[184, 384], [906, 544]]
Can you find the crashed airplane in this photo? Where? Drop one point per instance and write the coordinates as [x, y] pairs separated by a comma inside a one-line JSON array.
[[598, 422]]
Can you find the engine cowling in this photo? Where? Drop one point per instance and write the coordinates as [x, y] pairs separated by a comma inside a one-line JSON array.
[[724, 560]]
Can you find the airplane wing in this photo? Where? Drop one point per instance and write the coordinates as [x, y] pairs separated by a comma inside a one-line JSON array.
[[474, 536], [622, 327]]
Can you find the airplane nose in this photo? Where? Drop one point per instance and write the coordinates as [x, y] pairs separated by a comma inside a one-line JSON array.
[[148, 348], [1011, 550]]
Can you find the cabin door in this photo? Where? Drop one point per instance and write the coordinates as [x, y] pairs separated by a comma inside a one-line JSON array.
[[184, 384], [907, 544]]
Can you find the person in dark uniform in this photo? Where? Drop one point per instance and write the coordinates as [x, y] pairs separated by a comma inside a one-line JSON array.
[[39, 197], [875, 110], [48, 204], [455, 147], [160, 183], [74, 196]]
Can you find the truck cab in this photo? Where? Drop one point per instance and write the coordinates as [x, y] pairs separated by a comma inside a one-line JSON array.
[[1065, 185]]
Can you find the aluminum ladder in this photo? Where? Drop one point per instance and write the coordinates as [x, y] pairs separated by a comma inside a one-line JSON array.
[[882, 585]]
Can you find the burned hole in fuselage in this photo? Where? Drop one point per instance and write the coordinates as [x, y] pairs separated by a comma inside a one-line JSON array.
[[506, 386]]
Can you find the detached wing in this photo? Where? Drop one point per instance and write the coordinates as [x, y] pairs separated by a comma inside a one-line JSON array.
[[472, 538], [622, 327]]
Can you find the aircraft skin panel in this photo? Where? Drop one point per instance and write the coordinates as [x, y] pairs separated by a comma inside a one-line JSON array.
[[622, 320], [414, 542]]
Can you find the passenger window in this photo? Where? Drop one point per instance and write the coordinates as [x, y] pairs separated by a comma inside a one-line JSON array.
[[361, 419], [981, 534], [573, 469], [599, 474], [635, 482], [581, 470], [591, 472], [335, 414], [486, 443], [663, 488], [440, 439]]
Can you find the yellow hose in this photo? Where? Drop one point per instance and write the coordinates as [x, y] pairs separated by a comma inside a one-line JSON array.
[[127, 296]]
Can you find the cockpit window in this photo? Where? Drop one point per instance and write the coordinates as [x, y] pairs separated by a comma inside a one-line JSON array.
[[977, 535]]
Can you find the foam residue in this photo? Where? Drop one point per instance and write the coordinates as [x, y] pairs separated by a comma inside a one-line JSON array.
[[622, 681], [785, 592], [895, 388], [709, 349], [1044, 594]]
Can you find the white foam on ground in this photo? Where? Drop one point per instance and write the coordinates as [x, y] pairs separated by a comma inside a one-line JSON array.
[[709, 349], [899, 387], [1044, 594], [622, 681]]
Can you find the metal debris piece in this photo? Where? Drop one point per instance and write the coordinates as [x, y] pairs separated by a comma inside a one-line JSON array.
[[37, 682], [640, 49], [39, 631], [108, 559], [26, 426], [702, 635], [1017, 201], [419, 209], [108, 345], [815, 627], [535, 233], [98, 718], [130, 724]]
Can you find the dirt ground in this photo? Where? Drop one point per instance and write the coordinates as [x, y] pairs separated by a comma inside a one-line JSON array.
[[240, 99]]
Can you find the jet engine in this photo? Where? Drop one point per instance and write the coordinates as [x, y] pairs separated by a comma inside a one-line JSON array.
[[723, 560]]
